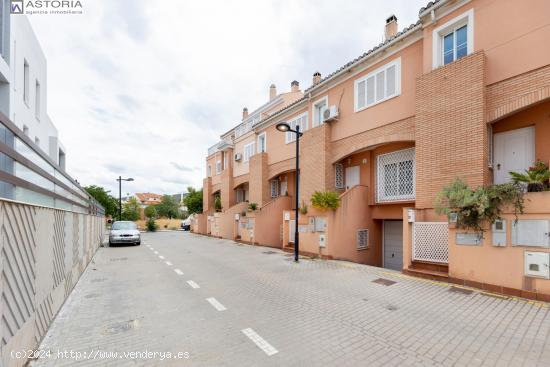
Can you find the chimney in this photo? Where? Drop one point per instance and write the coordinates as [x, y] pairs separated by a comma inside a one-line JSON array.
[[316, 78], [294, 86], [391, 27], [272, 92], [245, 113]]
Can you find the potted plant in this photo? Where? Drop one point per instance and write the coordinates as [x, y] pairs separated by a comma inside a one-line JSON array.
[[325, 200], [252, 207], [218, 204], [303, 208], [535, 177]]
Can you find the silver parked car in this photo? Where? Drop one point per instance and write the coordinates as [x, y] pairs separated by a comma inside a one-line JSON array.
[[124, 232]]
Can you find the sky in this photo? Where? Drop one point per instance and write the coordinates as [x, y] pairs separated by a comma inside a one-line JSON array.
[[142, 88]]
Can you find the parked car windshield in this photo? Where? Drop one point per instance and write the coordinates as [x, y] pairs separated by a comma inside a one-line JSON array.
[[124, 225]]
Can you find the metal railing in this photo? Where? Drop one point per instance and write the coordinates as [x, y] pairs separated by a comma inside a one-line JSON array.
[[28, 175]]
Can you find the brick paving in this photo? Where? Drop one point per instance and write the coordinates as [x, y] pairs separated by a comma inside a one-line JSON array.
[[315, 313]]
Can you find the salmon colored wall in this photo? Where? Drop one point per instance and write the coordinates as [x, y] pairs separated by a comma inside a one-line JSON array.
[[241, 167], [513, 44], [477, 263], [342, 95], [211, 160], [226, 223], [268, 221], [538, 116]]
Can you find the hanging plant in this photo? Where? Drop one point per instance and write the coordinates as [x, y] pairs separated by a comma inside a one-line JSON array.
[[475, 209]]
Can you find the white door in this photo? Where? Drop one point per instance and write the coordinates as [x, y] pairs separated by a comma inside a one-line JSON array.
[[352, 176], [291, 231], [393, 244], [514, 151]]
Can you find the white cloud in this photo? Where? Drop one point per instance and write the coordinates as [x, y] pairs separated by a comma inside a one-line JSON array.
[[142, 88]]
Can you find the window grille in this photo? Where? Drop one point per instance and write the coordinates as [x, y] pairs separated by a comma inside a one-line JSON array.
[[339, 175], [362, 239], [274, 188], [396, 176]]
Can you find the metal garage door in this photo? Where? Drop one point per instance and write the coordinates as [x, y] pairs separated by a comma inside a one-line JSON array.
[[393, 244]]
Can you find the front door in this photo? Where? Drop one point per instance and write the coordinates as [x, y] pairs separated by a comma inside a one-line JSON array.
[[514, 151], [393, 244], [352, 176]]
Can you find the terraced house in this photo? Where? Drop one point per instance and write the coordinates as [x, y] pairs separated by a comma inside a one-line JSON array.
[[464, 92]]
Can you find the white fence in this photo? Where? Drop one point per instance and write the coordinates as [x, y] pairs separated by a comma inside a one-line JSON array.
[[43, 252], [431, 242]]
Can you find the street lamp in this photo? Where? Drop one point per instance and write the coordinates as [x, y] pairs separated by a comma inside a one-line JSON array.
[[284, 127], [120, 179]]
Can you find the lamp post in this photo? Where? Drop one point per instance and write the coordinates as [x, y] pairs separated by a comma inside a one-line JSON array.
[[284, 127], [120, 179]]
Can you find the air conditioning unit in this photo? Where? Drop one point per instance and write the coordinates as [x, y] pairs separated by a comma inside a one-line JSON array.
[[238, 156], [330, 114]]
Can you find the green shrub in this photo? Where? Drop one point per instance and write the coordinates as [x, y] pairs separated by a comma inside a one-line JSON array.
[[218, 204], [303, 208], [252, 206], [325, 200], [478, 208], [535, 177], [151, 225]]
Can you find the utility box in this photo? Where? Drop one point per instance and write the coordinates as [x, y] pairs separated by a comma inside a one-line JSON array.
[[410, 215], [499, 233], [287, 216], [322, 240], [237, 216], [537, 264], [531, 232]]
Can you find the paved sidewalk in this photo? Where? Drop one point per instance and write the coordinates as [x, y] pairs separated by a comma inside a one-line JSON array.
[[227, 304]]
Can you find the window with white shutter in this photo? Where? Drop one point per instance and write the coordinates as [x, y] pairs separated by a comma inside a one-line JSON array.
[[339, 175], [380, 85], [302, 122], [248, 151], [218, 167], [396, 176]]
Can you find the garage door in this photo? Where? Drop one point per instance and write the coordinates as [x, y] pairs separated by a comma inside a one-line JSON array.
[[393, 244]]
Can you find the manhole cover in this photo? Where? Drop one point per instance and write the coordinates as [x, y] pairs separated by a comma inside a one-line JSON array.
[[121, 327], [460, 290], [383, 281], [391, 308], [269, 252], [119, 259], [98, 280]]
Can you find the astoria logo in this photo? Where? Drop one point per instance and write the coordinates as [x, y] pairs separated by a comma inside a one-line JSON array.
[[35, 6]]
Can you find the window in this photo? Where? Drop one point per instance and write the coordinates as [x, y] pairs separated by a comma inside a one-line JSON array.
[[319, 108], [300, 121], [262, 143], [396, 176], [209, 171], [37, 101], [26, 82], [339, 176], [248, 152], [362, 239], [218, 167], [380, 85], [453, 39], [240, 195], [274, 188]]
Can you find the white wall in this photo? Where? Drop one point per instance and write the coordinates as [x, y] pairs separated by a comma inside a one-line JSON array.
[[24, 46]]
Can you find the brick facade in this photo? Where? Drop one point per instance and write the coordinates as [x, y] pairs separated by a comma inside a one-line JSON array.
[[259, 183], [450, 127]]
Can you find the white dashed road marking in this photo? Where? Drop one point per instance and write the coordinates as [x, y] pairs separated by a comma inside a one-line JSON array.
[[260, 342], [161, 257], [193, 284], [178, 271], [217, 305], [168, 263]]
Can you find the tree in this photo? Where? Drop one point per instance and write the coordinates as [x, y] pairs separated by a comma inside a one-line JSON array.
[[193, 201], [150, 212], [168, 207], [109, 203], [130, 210]]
